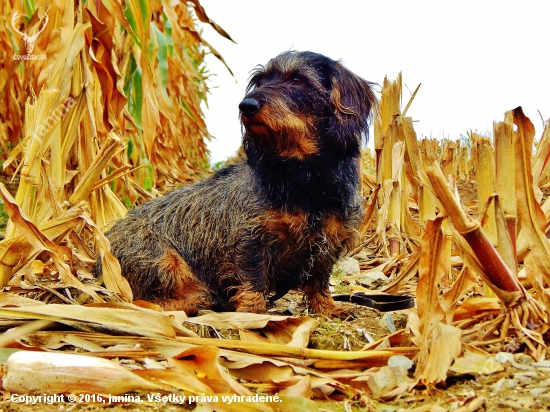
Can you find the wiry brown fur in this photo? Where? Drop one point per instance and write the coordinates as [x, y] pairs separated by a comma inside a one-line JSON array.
[[277, 221]]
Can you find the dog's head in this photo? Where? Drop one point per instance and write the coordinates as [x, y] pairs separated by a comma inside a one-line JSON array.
[[303, 104]]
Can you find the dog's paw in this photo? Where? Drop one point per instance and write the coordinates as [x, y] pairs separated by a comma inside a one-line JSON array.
[[190, 305], [324, 305], [247, 301]]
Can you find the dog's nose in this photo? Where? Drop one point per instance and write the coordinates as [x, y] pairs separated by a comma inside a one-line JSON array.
[[249, 107]]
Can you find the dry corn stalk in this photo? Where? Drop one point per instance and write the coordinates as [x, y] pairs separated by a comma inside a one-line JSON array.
[[395, 167], [395, 211], [463, 163], [122, 57], [371, 357], [98, 121], [541, 164], [427, 201], [501, 277], [485, 171], [485, 178], [531, 217], [505, 173], [527, 315], [414, 159], [412, 163], [385, 129], [449, 161]]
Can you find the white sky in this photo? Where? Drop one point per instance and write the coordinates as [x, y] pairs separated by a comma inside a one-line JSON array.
[[475, 59]]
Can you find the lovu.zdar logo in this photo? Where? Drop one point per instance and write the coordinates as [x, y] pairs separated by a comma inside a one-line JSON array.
[[29, 39]]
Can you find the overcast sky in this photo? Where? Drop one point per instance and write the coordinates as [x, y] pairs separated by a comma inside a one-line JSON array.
[[475, 59]]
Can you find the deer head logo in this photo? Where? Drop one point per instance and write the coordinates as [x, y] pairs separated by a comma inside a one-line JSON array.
[[29, 40]]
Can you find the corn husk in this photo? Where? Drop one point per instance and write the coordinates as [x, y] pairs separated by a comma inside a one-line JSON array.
[[43, 372]]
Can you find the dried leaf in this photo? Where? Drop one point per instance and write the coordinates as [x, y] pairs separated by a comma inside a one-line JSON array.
[[301, 389], [52, 340], [292, 331], [531, 216], [41, 242], [431, 268], [111, 272], [387, 379], [201, 14], [542, 158], [264, 372], [441, 348], [127, 320], [294, 404], [465, 282], [90, 178], [204, 361], [475, 362], [235, 320], [11, 299]]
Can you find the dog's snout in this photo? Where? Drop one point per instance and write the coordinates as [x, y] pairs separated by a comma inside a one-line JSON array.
[[249, 107]]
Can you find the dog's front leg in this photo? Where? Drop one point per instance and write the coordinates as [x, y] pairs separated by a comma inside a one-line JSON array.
[[249, 278], [317, 294]]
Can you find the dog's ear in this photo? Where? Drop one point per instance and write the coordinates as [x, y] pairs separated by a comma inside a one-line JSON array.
[[353, 101]]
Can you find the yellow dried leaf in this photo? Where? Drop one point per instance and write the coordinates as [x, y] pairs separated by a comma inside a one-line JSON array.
[[291, 331], [205, 359], [478, 363], [120, 319], [236, 320], [531, 216], [301, 389], [442, 347], [431, 268]]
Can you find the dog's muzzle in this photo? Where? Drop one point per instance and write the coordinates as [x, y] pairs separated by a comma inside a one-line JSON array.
[[249, 107]]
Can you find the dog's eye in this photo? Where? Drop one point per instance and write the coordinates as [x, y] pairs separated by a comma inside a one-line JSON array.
[[296, 81]]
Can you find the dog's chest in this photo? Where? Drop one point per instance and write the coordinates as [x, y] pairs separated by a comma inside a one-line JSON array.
[[297, 233]]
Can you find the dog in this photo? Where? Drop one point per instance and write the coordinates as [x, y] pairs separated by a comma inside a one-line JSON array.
[[275, 221]]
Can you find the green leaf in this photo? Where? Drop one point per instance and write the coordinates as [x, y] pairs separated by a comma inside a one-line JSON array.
[[133, 89], [30, 9], [133, 24], [130, 148], [145, 12], [148, 181], [168, 35], [162, 54], [187, 109]]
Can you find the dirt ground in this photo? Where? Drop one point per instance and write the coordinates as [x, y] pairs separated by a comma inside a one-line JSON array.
[[522, 385]]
